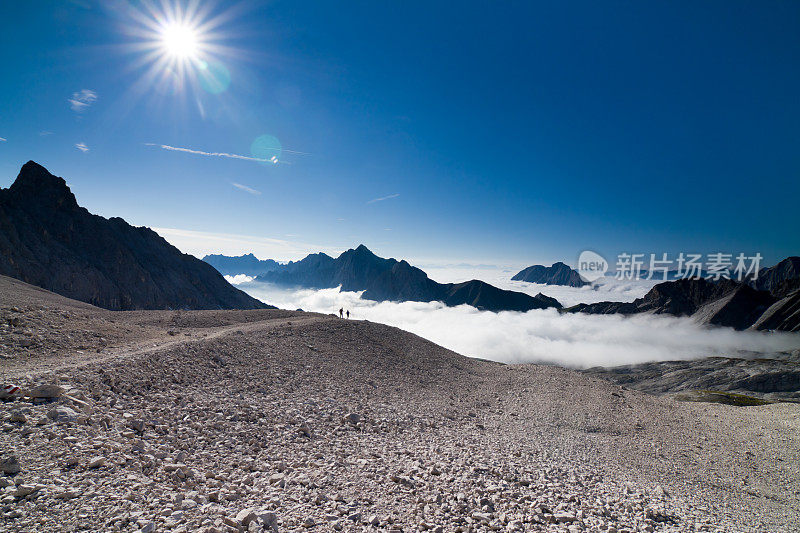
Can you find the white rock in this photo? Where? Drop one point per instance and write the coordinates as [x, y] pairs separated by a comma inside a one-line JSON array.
[[23, 490], [96, 462], [563, 518], [61, 493], [245, 516]]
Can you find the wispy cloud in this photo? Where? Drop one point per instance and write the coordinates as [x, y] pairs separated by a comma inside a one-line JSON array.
[[45, 133], [82, 147], [382, 198], [82, 99], [245, 188], [226, 154], [3, 139]]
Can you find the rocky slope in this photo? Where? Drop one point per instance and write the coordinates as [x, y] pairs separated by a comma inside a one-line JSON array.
[[247, 264], [783, 315], [48, 240], [770, 379], [388, 279], [265, 420], [557, 274], [770, 279]]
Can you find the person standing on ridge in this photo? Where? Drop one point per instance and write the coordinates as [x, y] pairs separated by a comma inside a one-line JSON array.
[[348, 313], [341, 312]]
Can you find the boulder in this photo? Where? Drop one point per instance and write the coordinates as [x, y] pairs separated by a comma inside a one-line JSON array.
[[96, 462], [245, 516], [352, 418], [10, 465], [46, 391], [62, 415]]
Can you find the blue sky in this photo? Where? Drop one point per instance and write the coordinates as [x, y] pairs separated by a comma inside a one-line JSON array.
[[492, 132]]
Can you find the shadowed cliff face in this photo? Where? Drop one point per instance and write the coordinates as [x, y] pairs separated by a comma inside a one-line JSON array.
[[48, 240], [391, 280]]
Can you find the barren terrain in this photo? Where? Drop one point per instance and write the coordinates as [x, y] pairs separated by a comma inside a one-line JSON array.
[[292, 421]]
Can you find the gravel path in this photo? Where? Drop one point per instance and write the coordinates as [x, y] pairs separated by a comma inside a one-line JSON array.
[[288, 421]]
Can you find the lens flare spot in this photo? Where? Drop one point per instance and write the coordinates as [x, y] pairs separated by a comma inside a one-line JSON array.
[[268, 148], [214, 77]]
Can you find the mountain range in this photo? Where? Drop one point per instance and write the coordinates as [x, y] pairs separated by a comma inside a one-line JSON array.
[[557, 274], [248, 264], [48, 240], [722, 303], [388, 279]]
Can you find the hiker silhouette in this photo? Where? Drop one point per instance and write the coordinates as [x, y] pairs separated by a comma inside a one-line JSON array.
[[348, 313], [341, 312]]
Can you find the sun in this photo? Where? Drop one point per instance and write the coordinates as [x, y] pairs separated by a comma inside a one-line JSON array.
[[180, 41], [179, 46]]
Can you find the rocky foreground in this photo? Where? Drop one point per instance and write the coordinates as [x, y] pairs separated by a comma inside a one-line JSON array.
[[286, 421]]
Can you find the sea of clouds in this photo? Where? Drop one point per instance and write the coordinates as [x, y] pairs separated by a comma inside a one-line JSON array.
[[541, 336]]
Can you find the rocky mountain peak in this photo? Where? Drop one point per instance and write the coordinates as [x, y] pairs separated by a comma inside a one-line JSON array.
[[34, 183], [48, 240], [363, 251]]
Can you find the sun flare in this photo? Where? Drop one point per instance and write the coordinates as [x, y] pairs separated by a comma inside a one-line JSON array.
[[180, 41]]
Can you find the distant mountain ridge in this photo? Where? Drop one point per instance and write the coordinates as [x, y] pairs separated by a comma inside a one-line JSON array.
[[723, 303], [557, 274], [390, 280], [48, 240], [248, 264]]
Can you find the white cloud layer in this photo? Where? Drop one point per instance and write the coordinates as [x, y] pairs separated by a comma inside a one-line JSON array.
[[541, 336], [82, 147], [239, 279]]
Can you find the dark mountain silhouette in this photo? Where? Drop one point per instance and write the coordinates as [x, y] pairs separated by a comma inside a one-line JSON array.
[[248, 264], [47, 239], [723, 303], [681, 297], [558, 274], [391, 280]]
